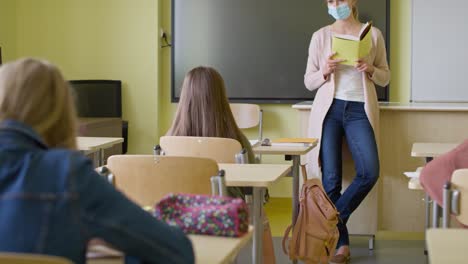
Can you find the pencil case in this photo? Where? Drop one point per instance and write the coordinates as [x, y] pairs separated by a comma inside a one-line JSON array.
[[204, 214]]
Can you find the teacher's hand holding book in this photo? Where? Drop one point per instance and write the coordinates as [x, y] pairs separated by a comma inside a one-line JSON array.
[[331, 65], [363, 66]]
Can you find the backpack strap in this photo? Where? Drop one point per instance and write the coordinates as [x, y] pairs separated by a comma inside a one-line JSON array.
[[285, 238], [288, 229], [304, 172], [297, 235]]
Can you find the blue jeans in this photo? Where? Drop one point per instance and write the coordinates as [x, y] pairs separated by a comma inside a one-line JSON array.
[[347, 119]]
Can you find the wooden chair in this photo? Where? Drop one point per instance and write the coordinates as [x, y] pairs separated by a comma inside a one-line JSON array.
[[248, 116], [22, 258], [455, 198], [146, 178], [447, 245], [222, 150]]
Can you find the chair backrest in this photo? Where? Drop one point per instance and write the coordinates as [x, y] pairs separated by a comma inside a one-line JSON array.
[[146, 178], [21, 258], [460, 183], [248, 116], [222, 150]]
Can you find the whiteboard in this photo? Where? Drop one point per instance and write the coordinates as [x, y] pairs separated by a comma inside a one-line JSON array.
[[439, 51]]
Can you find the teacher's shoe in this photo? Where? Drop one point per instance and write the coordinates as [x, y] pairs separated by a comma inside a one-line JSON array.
[[340, 259]]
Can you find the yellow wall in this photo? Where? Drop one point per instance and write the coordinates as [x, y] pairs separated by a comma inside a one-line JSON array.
[[105, 39], [400, 50], [8, 29], [281, 120], [118, 39]]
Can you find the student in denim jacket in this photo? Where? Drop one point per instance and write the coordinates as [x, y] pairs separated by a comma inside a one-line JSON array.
[[51, 199]]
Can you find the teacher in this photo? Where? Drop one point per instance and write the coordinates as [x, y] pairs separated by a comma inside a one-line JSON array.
[[345, 106]]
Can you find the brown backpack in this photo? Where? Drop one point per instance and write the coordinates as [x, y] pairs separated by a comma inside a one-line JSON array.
[[315, 234]]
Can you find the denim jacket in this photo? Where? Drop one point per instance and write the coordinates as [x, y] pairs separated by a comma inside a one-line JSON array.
[[53, 202]]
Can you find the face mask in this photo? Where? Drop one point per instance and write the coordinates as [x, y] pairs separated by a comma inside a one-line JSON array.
[[341, 12]]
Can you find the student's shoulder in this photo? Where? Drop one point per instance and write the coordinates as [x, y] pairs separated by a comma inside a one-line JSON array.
[[67, 160], [65, 155], [62, 168]]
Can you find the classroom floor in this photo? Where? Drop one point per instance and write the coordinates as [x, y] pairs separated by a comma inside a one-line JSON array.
[[385, 252], [389, 248]]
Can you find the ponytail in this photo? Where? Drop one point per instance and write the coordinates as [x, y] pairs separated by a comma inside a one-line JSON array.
[[355, 12]]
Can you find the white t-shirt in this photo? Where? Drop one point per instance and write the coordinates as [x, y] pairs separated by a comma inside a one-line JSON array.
[[348, 84]]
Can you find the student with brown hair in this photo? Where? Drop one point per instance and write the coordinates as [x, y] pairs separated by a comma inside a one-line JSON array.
[[52, 201], [204, 111]]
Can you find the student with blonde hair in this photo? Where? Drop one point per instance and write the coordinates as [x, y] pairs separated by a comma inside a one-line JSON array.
[[204, 111], [52, 201]]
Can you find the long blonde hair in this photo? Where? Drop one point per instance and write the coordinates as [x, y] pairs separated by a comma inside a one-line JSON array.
[[204, 109], [34, 92], [354, 9]]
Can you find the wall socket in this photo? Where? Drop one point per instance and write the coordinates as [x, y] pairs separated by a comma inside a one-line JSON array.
[[164, 39], [162, 33]]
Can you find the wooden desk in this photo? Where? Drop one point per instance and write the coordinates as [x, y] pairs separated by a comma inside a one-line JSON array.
[[253, 175], [97, 145], [218, 250], [447, 245], [431, 150], [258, 176], [207, 249], [284, 150]]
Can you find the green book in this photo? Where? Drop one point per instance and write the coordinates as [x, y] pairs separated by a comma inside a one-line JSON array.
[[352, 48]]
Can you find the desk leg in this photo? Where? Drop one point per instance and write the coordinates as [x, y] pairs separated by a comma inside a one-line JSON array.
[[257, 249], [435, 214], [427, 219], [427, 202], [295, 189], [101, 157], [97, 159]]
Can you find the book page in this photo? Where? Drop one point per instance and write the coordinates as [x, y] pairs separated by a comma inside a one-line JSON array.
[[351, 48], [346, 49], [346, 37], [365, 46]]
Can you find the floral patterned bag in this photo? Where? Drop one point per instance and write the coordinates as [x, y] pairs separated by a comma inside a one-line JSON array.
[[204, 214]]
